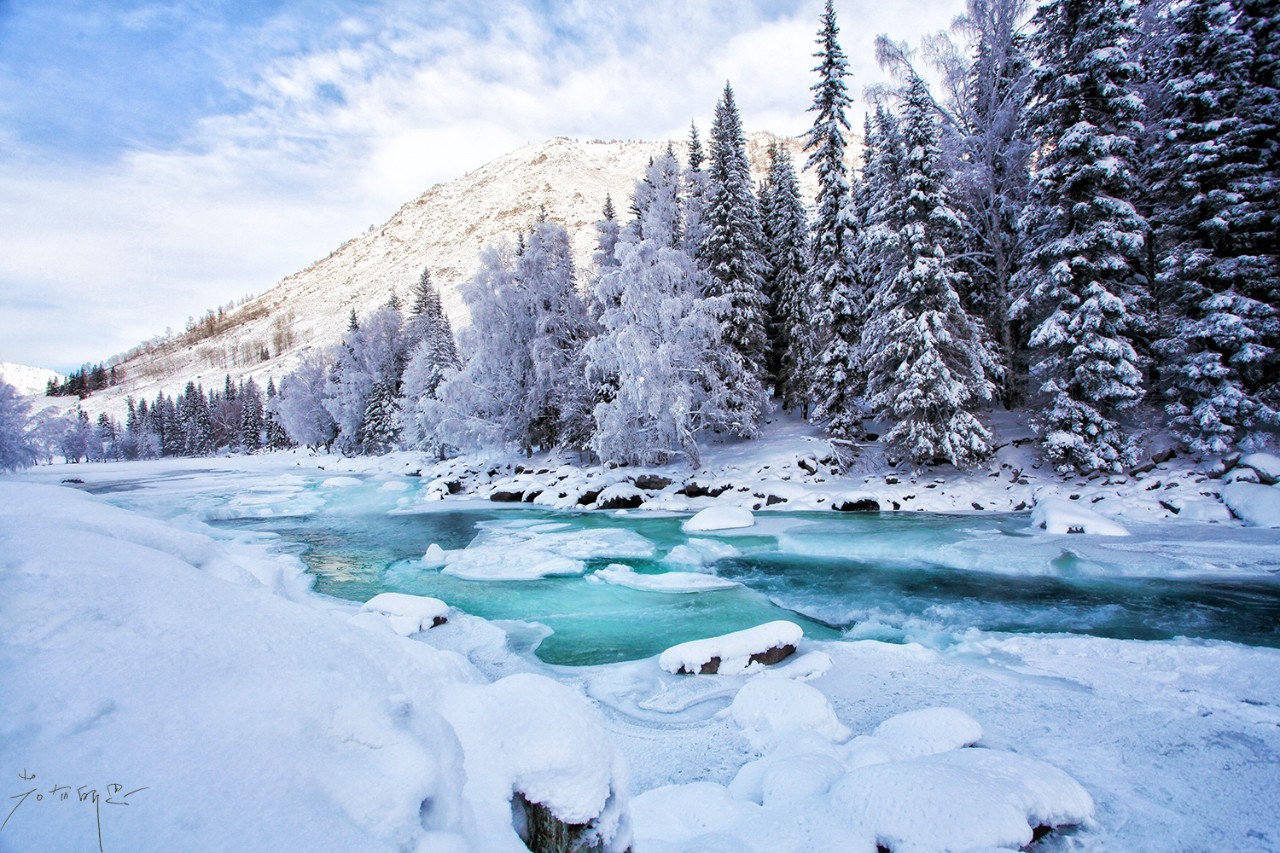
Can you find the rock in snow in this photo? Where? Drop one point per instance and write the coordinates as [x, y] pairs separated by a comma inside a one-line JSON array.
[[733, 653], [719, 518], [1266, 464], [1057, 515], [768, 709]]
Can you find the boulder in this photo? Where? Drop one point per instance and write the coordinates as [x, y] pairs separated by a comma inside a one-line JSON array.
[[507, 496], [652, 482], [856, 504]]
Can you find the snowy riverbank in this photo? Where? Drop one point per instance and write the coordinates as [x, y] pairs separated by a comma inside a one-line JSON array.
[[198, 666]]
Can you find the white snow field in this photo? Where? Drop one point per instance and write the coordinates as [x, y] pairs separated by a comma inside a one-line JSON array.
[[195, 666]]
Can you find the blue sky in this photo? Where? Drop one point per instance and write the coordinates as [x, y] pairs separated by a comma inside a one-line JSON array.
[[158, 159]]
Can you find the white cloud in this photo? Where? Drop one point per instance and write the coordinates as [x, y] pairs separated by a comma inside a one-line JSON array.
[[337, 134]]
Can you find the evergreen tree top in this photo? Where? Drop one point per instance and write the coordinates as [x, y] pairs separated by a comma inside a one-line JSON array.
[[696, 155]]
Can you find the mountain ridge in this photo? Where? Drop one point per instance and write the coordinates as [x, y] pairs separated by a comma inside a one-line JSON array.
[[443, 228]]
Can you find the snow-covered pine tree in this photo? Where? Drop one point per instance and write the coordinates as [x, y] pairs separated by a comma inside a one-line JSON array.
[[785, 225], [193, 413], [432, 352], [1219, 353], [277, 438], [607, 233], [380, 429], [730, 252], [880, 201], [837, 379], [696, 194], [251, 422], [653, 356], [1081, 284], [928, 365]]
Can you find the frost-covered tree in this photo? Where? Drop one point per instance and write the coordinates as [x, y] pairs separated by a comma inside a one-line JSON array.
[[372, 352], [15, 413], [1082, 285], [654, 357], [1218, 277], [607, 233], [785, 227], [483, 403], [545, 272], [196, 422], [928, 365], [837, 379], [299, 407]]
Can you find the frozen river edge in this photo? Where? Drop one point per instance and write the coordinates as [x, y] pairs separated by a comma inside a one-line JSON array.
[[1177, 742]]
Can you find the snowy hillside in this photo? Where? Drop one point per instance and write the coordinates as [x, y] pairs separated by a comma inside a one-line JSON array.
[[28, 380], [444, 228]]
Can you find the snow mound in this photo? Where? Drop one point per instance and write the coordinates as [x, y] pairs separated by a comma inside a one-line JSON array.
[[698, 552], [673, 582], [928, 731], [960, 800], [733, 653], [434, 558], [340, 482], [719, 518], [770, 708], [1254, 504], [408, 614], [1057, 515]]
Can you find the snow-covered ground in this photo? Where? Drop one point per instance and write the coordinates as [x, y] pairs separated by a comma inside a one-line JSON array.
[[235, 708]]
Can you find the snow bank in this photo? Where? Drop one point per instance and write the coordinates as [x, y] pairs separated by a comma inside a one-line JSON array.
[[719, 518], [407, 614], [673, 582], [243, 720], [1254, 504], [769, 708], [1057, 515], [733, 653]]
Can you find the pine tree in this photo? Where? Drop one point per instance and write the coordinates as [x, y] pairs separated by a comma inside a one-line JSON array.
[[730, 253], [837, 379], [1221, 350], [196, 425], [928, 365], [433, 352], [1082, 286], [785, 225], [251, 420], [696, 194], [372, 352], [277, 438]]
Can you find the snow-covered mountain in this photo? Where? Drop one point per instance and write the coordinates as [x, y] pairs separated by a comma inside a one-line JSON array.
[[444, 228], [28, 380]]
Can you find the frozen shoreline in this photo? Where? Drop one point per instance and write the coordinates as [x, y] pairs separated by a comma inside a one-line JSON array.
[[1175, 740]]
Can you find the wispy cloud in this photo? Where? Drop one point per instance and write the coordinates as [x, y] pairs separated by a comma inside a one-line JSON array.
[[166, 158]]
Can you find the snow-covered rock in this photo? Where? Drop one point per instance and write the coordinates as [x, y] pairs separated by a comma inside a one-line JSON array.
[[963, 799], [1254, 504], [1266, 464], [1057, 515], [733, 653], [531, 736], [434, 557], [719, 518], [408, 614]]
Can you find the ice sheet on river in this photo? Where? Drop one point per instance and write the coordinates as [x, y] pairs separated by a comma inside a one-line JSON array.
[[523, 550]]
